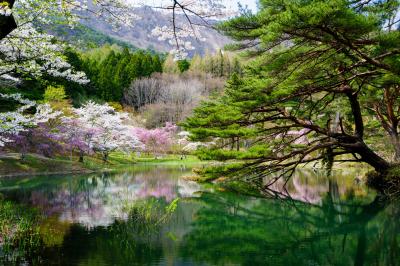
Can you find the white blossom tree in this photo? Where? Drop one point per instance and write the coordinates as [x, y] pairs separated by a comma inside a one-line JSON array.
[[109, 130], [14, 122], [196, 13], [119, 12], [27, 51]]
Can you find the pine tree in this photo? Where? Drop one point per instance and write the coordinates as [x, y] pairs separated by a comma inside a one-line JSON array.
[[183, 65], [314, 81], [157, 65]]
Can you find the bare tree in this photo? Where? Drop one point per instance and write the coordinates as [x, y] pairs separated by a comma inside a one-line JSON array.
[[165, 98], [142, 92], [181, 97]]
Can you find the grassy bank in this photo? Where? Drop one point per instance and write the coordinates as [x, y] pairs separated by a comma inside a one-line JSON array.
[[169, 159], [19, 231], [13, 165]]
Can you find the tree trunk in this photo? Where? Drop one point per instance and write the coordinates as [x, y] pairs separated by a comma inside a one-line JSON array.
[[370, 157], [105, 157], [81, 157], [395, 140], [7, 23]]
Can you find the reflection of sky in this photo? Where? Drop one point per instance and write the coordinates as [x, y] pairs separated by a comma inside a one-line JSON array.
[[100, 201]]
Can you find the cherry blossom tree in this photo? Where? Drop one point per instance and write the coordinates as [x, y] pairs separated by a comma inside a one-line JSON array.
[[189, 146], [76, 137], [118, 12], [27, 51], [196, 13], [14, 122], [156, 140], [108, 127], [42, 139]]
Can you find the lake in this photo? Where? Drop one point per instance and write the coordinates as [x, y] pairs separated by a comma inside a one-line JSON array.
[[150, 215]]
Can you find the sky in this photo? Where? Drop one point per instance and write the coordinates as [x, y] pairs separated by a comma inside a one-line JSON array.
[[230, 4]]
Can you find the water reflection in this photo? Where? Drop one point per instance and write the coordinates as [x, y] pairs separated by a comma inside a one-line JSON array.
[[100, 199], [111, 219], [312, 186]]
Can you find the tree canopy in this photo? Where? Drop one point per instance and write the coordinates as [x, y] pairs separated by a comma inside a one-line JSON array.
[[322, 81]]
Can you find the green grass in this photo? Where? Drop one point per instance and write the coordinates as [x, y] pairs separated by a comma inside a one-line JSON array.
[[12, 164], [19, 229], [170, 159], [115, 160]]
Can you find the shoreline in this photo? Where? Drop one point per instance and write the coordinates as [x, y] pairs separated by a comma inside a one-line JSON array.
[[77, 172], [11, 165]]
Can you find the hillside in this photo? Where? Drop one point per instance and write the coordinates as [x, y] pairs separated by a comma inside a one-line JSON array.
[[85, 37], [140, 34]]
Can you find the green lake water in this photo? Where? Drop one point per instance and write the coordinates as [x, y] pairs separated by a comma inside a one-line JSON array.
[[149, 215]]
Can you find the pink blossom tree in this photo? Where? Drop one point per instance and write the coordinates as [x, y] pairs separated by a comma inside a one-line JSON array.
[[41, 139], [158, 140]]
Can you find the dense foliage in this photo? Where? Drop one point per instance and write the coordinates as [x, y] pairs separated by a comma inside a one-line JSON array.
[[111, 70], [325, 72]]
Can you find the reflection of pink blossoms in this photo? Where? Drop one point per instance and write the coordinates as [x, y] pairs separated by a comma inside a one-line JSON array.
[[156, 186]]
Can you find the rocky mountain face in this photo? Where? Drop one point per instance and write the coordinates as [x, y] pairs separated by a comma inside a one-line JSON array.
[[140, 35]]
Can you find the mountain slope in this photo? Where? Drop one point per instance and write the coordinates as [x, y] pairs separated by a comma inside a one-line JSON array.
[[140, 34], [85, 37]]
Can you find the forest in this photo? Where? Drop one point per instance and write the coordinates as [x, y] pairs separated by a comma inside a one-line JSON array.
[[290, 128]]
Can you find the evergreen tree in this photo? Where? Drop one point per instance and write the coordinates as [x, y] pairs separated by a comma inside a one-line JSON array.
[[303, 97], [183, 65], [112, 69], [157, 65]]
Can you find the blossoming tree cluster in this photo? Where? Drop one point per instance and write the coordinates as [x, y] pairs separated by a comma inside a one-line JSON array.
[[91, 129], [94, 128], [104, 129], [28, 51], [14, 122]]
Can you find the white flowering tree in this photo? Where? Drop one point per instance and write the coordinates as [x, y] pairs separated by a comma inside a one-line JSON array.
[[27, 51], [190, 146], [108, 127], [196, 13], [14, 122], [118, 13]]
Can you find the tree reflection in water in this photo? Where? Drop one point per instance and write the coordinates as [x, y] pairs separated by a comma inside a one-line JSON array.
[[97, 200], [324, 222], [233, 230]]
